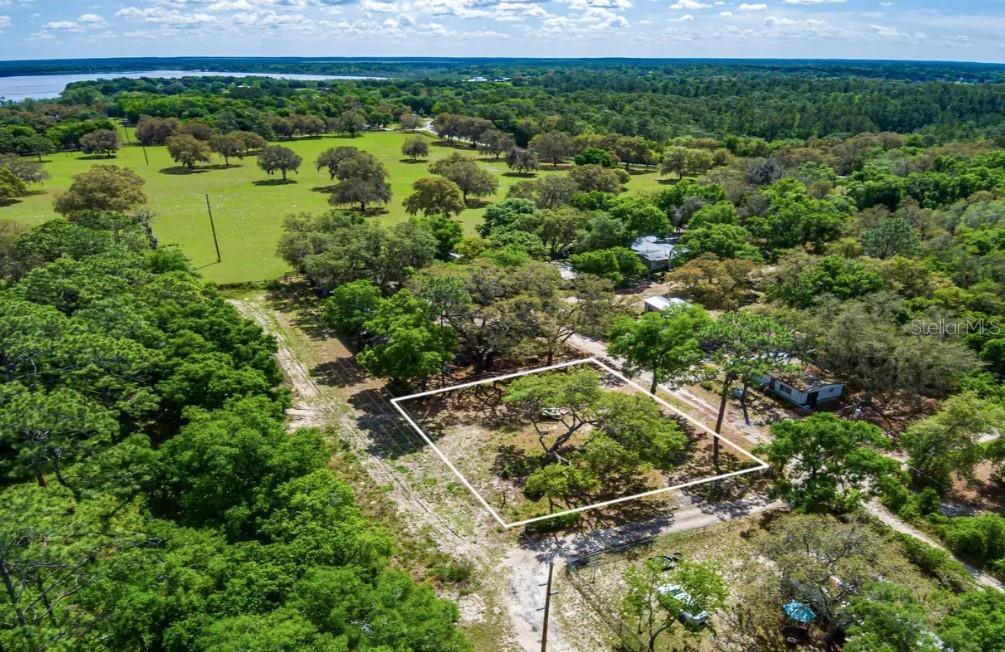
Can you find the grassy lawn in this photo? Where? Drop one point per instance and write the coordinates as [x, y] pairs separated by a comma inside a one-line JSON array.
[[248, 217]]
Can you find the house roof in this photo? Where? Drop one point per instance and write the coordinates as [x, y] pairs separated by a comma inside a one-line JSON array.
[[653, 248]]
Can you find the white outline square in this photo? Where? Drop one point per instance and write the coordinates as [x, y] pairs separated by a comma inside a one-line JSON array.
[[591, 360]]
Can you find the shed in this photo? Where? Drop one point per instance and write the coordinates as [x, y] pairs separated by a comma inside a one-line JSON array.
[[566, 271], [659, 304], [804, 390]]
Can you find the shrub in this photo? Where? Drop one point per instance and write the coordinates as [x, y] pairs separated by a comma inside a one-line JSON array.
[[936, 563], [979, 538]]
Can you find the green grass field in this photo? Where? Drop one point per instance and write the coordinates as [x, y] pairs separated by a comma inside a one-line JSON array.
[[248, 217]]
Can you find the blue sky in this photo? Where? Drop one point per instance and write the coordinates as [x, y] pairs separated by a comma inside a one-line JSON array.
[[898, 29]]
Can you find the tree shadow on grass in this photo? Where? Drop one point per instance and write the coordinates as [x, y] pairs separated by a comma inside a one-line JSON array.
[[472, 202], [296, 298], [390, 435], [96, 157], [520, 175], [409, 161], [668, 181], [273, 182], [452, 145], [339, 373], [9, 201], [324, 189], [182, 170]]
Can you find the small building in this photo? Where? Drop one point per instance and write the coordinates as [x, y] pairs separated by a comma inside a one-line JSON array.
[[659, 304], [656, 253], [566, 271], [804, 390]]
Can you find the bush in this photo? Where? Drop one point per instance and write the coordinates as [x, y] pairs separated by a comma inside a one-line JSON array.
[[553, 524], [617, 264], [978, 538], [936, 563], [454, 572]]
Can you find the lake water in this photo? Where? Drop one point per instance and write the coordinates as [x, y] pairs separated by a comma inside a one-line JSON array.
[[48, 86]]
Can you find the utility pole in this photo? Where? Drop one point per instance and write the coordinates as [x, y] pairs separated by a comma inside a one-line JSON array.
[[547, 608], [212, 227], [145, 157]]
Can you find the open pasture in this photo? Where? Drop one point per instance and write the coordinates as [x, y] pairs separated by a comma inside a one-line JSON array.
[[247, 208]]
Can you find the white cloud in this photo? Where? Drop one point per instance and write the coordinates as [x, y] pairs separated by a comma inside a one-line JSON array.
[[83, 23], [167, 17], [608, 4], [686, 18], [753, 7], [814, 2], [4, 21], [889, 32], [689, 4]]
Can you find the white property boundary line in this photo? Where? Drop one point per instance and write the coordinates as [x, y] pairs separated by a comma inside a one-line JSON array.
[[761, 465]]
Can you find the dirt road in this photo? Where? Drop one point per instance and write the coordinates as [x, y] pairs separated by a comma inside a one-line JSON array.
[[892, 521], [520, 568]]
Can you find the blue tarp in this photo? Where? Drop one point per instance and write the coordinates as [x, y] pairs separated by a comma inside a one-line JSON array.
[[799, 612]]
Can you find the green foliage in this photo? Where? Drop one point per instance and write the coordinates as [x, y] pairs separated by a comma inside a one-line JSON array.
[[794, 218], [826, 463], [627, 433], [594, 156], [415, 148], [597, 178], [362, 177], [500, 215], [350, 305], [639, 215], [619, 265], [188, 151], [466, 174], [11, 187], [102, 188], [448, 233], [887, 618], [560, 481], [182, 515], [275, 158], [936, 563], [664, 344], [719, 213], [746, 345], [722, 240], [949, 442], [411, 346], [976, 623], [980, 538], [653, 611], [336, 248], [686, 161], [435, 196], [893, 236], [713, 283], [100, 141], [223, 467], [803, 282]]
